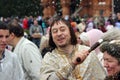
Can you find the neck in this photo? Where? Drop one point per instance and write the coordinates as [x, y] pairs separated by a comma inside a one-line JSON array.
[[16, 40], [68, 49]]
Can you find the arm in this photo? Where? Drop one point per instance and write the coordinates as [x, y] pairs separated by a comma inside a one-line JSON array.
[[18, 71], [30, 30]]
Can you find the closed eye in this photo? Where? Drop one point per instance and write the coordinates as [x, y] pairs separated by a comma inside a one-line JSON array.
[[62, 29], [54, 30]]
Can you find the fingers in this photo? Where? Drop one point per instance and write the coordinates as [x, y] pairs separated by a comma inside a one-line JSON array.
[[80, 55]]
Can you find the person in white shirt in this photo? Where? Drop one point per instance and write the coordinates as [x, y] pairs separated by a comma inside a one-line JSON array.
[[28, 53], [10, 68]]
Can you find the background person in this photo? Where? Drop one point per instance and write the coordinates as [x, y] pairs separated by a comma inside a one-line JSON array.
[[36, 33], [28, 53], [111, 58]]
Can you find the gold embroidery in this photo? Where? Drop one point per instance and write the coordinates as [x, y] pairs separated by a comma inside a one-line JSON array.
[[60, 76], [76, 73]]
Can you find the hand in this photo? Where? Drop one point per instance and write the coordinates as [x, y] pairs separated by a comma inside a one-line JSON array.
[[36, 35], [82, 55]]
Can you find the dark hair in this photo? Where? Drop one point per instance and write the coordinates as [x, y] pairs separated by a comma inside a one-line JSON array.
[[3, 26], [14, 27], [72, 34], [45, 50], [112, 49]]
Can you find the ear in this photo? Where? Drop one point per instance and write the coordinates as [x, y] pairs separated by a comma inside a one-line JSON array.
[[12, 35]]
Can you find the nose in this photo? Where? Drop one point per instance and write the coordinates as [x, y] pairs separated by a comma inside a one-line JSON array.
[[105, 64], [4, 39], [59, 32]]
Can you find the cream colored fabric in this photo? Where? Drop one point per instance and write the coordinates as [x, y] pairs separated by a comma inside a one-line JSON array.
[[81, 26], [44, 42], [54, 67]]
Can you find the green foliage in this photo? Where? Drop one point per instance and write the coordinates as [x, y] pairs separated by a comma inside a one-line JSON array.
[[20, 8]]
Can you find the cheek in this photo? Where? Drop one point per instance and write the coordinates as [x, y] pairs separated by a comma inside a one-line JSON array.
[[115, 67], [54, 37], [68, 38], [10, 38], [67, 34]]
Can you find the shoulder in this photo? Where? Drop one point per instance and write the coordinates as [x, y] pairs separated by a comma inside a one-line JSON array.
[[8, 52], [32, 26], [28, 46], [27, 43], [82, 47], [10, 55], [91, 57], [51, 56]]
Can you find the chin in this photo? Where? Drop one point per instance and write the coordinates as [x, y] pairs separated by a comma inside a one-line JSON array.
[[111, 74], [113, 77], [62, 45]]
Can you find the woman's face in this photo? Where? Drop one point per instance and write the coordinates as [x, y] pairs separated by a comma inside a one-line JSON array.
[[111, 64]]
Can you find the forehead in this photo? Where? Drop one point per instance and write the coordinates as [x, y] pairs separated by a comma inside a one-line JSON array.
[[4, 31], [59, 24], [107, 55]]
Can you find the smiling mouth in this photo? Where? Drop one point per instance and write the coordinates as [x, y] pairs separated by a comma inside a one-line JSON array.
[[60, 40], [108, 70]]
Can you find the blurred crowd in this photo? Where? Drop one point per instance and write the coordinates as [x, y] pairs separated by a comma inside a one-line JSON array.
[[36, 37]]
